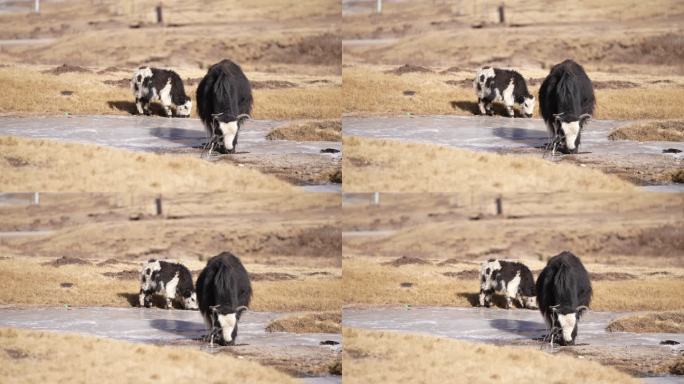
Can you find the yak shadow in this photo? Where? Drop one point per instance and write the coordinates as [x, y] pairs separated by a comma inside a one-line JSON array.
[[470, 106], [129, 106], [526, 328], [474, 299], [530, 137], [187, 329], [187, 137], [157, 300]]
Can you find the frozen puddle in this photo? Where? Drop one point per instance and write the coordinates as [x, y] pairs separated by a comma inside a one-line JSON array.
[[152, 134], [158, 326], [495, 133], [493, 325], [515, 327]]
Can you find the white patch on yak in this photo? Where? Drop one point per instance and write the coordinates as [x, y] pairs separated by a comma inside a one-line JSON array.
[[512, 288], [147, 270], [229, 130], [508, 99], [529, 302], [228, 323], [571, 130], [184, 109], [488, 283], [165, 97], [528, 106], [567, 324], [171, 286]]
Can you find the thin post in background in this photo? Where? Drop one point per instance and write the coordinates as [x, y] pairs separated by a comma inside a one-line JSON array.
[[36, 198], [502, 14], [376, 198], [36, 6], [499, 206], [160, 16], [158, 204], [378, 7]]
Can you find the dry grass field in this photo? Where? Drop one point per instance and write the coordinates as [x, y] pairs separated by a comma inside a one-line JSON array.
[[313, 322], [630, 243], [45, 165], [393, 166], [39, 357], [378, 90], [94, 90], [659, 130], [667, 322], [311, 130], [384, 357], [93, 246]]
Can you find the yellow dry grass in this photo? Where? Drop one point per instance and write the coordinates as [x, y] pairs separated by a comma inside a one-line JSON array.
[[28, 282], [316, 322], [667, 322], [659, 130], [369, 91], [312, 130], [370, 283], [45, 165], [390, 357], [382, 165], [91, 96], [298, 295], [40, 357]]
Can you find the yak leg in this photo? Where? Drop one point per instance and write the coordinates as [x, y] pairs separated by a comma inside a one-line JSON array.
[[486, 297], [481, 105], [139, 105], [144, 299]]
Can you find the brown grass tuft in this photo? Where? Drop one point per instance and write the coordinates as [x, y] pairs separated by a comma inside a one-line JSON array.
[[33, 356], [45, 165], [392, 357], [313, 130], [660, 130], [382, 165], [666, 322], [317, 322]]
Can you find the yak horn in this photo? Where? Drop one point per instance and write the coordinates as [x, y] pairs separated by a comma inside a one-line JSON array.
[[243, 116], [582, 308], [241, 308], [216, 114]]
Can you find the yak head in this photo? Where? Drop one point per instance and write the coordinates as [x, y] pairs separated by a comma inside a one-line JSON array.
[[224, 323], [225, 129], [190, 301], [564, 320], [184, 109], [568, 130], [528, 106]]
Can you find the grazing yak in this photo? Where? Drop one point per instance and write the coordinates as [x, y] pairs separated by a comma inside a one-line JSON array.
[[152, 84], [563, 293], [511, 279], [224, 102], [505, 86], [567, 101], [223, 293], [171, 280]]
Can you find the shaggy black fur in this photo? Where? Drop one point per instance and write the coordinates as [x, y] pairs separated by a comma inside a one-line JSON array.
[[564, 282], [224, 282], [567, 90], [226, 90]]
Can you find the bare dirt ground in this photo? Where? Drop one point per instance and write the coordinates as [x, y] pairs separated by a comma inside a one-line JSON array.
[[426, 249]]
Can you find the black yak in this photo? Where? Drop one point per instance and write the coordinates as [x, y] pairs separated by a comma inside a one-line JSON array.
[[563, 294], [150, 84], [171, 280], [512, 279], [505, 86], [223, 293], [566, 99], [224, 102]]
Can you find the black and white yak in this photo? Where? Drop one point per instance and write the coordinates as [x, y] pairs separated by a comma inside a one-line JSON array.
[[564, 294], [223, 292], [505, 86], [224, 102], [153, 84], [171, 280], [511, 279], [567, 101]]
